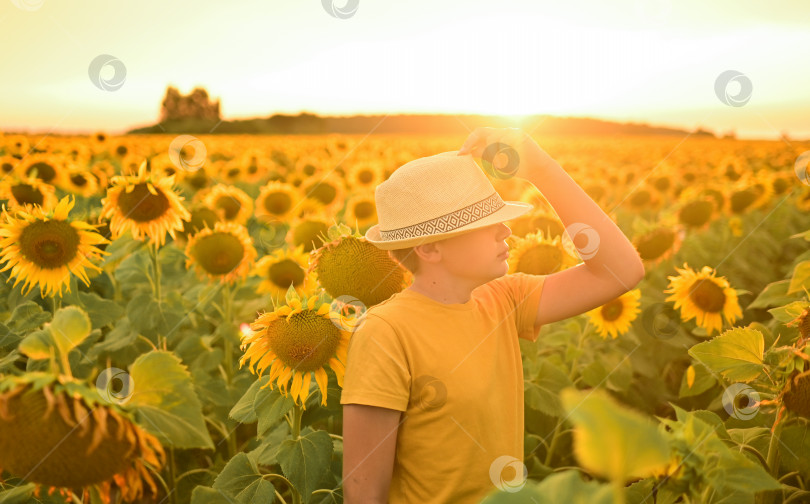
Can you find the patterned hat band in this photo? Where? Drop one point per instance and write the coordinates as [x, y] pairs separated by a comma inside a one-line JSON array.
[[448, 222]]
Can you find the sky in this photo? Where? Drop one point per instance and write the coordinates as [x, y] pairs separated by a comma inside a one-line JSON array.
[[654, 61]]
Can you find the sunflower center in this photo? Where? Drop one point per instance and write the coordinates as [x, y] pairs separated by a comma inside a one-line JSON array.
[[277, 203], [230, 206], [26, 193], [323, 192], [49, 244], [45, 172], [285, 272], [141, 205], [655, 244], [612, 310], [78, 179], [199, 218], [365, 177], [307, 232], [541, 259], [219, 253], [364, 210], [7, 167], [707, 295], [306, 342]]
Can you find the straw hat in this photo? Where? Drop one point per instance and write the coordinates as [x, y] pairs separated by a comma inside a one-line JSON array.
[[436, 197]]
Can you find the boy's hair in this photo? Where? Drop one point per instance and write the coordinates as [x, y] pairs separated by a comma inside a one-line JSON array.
[[407, 258]]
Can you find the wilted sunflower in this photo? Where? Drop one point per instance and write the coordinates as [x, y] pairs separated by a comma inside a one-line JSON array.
[[232, 203], [26, 191], [615, 317], [537, 255], [144, 206], [56, 434], [296, 340], [44, 248], [277, 201], [348, 265], [796, 394], [307, 232], [704, 297], [361, 210], [224, 253], [282, 268]]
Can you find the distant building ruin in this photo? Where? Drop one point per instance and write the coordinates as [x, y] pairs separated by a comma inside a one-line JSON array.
[[195, 105]]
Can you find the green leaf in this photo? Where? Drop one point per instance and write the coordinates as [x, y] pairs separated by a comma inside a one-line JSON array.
[[704, 380], [542, 393], [243, 410], [38, 345], [736, 354], [242, 480], [774, 294], [789, 312], [101, 311], [19, 495], [164, 401], [27, 316], [69, 327], [206, 495], [306, 460], [565, 487], [612, 440], [800, 278], [147, 314], [270, 406]]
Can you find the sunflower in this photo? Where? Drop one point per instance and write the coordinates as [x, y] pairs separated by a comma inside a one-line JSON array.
[[697, 212], [296, 340], [232, 203], [22, 192], [284, 267], [537, 220], [614, 318], [7, 165], [45, 167], [796, 394], [277, 201], [308, 165], [44, 248], [703, 296], [367, 175], [330, 191], [361, 210], [17, 145], [658, 243], [223, 254], [536, 254], [81, 182], [201, 217], [146, 207], [57, 435], [307, 232], [348, 265]]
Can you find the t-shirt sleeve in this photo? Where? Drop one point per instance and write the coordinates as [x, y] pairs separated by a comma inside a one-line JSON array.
[[377, 371], [523, 290]]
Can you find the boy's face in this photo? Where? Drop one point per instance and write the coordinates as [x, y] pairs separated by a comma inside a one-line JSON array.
[[476, 255]]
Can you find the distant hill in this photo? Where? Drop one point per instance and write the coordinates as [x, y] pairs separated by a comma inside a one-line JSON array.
[[306, 123]]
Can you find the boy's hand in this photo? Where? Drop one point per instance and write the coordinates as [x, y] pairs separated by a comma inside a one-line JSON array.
[[506, 152]]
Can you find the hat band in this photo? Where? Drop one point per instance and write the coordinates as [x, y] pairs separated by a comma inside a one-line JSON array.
[[448, 222]]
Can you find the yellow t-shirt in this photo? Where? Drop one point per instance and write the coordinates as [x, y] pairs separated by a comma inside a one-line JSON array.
[[455, 370]]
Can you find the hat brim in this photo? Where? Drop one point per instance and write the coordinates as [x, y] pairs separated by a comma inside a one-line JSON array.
[[511, 210]]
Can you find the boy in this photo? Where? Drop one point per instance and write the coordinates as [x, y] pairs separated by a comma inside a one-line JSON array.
[[433, 389]]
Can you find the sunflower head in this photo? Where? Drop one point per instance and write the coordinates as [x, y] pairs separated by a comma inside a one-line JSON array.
[[307, 232], [224, 253], [44, 248], [56, 433], [615, 317], [277, 201], [361, 210], [296, 340], [348, 265], [284, 268], [537, 254], [657, 243], [231, 203], [705, 297]]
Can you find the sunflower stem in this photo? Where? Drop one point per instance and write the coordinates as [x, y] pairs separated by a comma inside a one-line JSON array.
[[227, 319], [296, 423], [173, 475], [556, 436]]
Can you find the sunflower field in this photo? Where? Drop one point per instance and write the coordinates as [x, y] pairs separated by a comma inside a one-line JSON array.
[[175, 314]]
